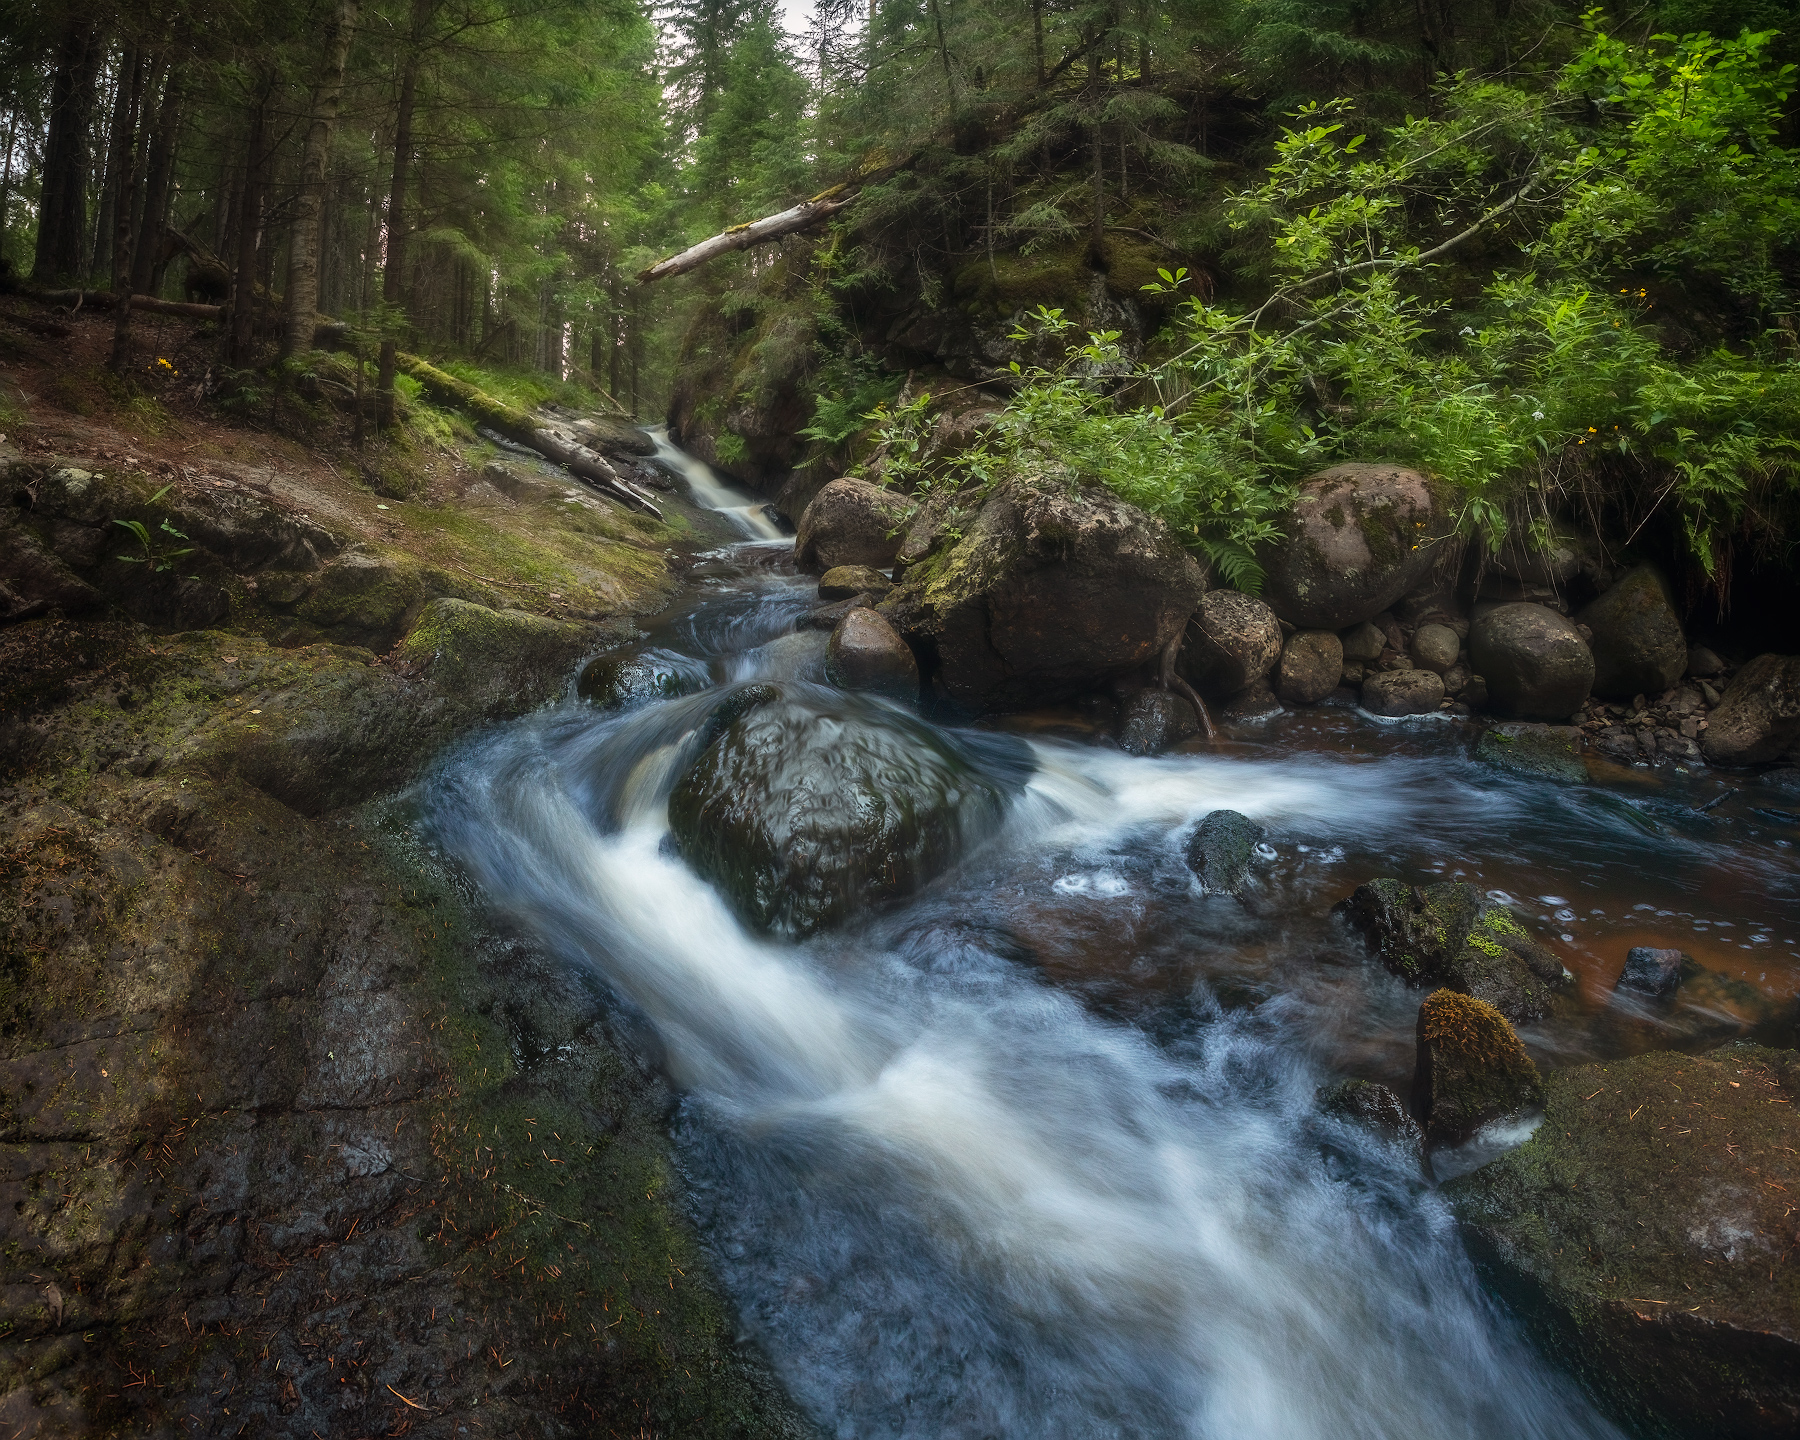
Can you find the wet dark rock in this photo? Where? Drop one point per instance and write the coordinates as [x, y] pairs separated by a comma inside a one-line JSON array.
[[1155, 720], [805, 820], [1376, 1109], [1219, 851], [1232, 641], [1758, 718], [1359, 538], [1363, 642], [1402, 692], [867, 653], [844, 581], [34, 580], [1535, 663], [1435, 648], [802, 655], [1637, 642], [826, 617], [850, 522], [1646, 1232], [1312, 663], [1250, 706], [1046, 592], [627, 679], [1651, 971], [1703, 663], [1471, 1069], [1551, 751], [1452, 934]]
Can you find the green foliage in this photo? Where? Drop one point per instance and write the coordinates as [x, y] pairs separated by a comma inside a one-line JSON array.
[[847, 391], [158, 554], [1555, 382]]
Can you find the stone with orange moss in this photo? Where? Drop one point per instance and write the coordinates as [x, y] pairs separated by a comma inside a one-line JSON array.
[[1471, 1068]]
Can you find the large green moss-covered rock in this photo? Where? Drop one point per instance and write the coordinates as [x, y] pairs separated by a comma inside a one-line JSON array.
[[806, 817], [1552, 752], [493, 655], [1452, 934], [1047, 591], [1648, 1233]]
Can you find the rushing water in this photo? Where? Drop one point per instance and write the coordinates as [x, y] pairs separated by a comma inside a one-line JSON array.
[[1036, 1154]]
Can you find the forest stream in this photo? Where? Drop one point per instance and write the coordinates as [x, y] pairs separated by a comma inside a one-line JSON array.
[[1036, 1152]]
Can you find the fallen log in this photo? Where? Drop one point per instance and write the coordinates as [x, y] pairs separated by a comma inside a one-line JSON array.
[[741, 237], [524, 429], [106, 300]]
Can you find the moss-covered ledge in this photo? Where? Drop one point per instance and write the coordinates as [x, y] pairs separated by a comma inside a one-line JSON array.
[[1649, 1233]]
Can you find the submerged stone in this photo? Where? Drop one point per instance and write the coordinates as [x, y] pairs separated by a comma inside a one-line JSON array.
[[624, 681], [1374, 1108], [1219, 851], [1651, 971], [1550, 751], [1471, 1069], [1646, 1234], [1451, 934], [805, 817]]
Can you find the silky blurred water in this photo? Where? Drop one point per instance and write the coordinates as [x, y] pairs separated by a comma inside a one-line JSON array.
[[1036, 1153]]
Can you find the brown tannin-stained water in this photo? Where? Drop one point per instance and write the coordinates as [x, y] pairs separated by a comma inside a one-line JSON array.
[[1035, 1153]]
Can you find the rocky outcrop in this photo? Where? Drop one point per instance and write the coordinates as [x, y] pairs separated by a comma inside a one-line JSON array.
[[850, 522], [866, 653], [1471, 1069], [1646, 1234], [1044, 593], [1312, 663], [1233, 640], [1637, 642], [1359, 537], [1453, 935], [1402, 692], [496, 659], [1219, 851], [1758, 718], [1536, 663], [803, 825]]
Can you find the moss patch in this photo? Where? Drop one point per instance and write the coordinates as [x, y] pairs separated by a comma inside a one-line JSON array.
[[1647, 1231]]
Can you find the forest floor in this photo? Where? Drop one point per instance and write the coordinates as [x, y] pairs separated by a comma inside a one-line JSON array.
[[276, 1097]]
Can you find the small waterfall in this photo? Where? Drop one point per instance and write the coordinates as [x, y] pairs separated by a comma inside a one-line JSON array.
[[751, 517]]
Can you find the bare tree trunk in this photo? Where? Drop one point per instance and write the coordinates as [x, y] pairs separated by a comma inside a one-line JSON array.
[[62, 200], [243, 289], [118, 132], [303, 246], [131, 78], [393, 271], [1037, 36], [146, 254], [6, 180]]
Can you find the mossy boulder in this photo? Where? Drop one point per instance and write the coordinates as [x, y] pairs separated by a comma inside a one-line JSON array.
[[1647, 1235], [499, 658], [1359, 537], [1471, 1069], [1047, 591], [1451, 934], [806, 816], [1552, 752], [1638, 645]]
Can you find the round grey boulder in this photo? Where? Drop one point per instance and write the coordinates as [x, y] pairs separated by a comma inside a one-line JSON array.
[[1638, 645], [1359, 537], [866, 653], [1536, 664], [850, 522], [1233, 640], [1363, 642], [1402, 692], [1435, 648], [1758, 719], [1312, 663]]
